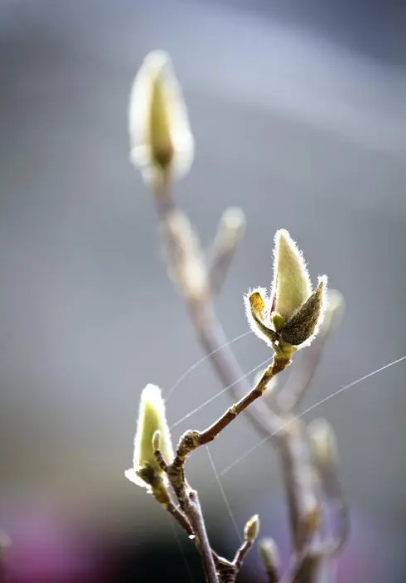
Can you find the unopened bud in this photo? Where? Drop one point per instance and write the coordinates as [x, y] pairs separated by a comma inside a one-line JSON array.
[[251, 529], [271, 559], [256, 310], [304, 324], [152, 431], [293, 314], [291, 284], [161, 142]]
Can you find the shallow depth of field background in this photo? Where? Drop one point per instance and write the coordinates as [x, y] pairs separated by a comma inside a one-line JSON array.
[[299, 115]]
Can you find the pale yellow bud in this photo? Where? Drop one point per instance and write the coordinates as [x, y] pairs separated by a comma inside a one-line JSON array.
[[291, 317], [152, 428], [161, 142], [291, 285], [251, 529]]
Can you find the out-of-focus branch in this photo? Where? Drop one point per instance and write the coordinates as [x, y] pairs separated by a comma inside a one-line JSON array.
[[270, 559], [323, 447]]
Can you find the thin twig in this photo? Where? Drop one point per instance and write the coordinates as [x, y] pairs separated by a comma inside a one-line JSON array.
[[278, 365]]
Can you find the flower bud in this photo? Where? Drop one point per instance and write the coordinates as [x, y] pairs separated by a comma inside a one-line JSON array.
[[304, 324], [291, 285], [292, 315], [152, 428], [251, 529], [161, 141]]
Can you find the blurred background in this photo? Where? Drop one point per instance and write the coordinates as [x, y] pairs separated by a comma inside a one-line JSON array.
[[299, 114]]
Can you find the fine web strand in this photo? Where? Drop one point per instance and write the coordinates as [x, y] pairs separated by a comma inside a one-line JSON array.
[[224, 496], [203, 359], [308, 410], [214, 397]]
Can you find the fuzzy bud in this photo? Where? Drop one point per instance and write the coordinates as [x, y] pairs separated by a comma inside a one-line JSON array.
[[291, 284], [304, 324], [152, 430], [251, 529], [292, 315], [255, 308], [161, 142]]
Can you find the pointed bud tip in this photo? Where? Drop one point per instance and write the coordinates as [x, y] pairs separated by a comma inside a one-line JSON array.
[[162, 145], [234, 218], [251, 529], [152, 427], [157, 58], [151, 393], [291, 283]]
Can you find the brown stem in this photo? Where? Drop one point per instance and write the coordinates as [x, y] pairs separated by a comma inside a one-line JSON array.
[[211, 432], [180, 518], [192, 509], [190, 517]]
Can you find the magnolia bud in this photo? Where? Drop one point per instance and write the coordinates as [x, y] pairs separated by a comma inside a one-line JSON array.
[[152, 428], [251, 529], [291, 285], [292, 315], [305, 323], [161, 142]]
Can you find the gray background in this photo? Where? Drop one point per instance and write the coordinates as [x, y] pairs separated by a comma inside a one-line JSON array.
[[299, 117]]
